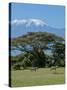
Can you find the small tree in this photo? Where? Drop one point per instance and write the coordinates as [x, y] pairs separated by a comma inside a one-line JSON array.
[[59, 53]]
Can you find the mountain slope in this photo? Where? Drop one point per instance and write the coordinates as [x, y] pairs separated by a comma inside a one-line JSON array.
[[20, 27]]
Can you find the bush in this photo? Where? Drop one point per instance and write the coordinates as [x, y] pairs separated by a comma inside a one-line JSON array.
[[17, 66], [62, 63], [26, 62]]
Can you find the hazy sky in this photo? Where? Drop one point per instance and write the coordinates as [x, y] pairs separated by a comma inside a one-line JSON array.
[[53, 15]]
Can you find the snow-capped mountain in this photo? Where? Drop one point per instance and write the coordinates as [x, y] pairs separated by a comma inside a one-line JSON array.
[[20, 27], [28, 22]]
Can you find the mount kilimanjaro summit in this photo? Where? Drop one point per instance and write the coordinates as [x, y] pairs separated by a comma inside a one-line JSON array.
[[22, 26]]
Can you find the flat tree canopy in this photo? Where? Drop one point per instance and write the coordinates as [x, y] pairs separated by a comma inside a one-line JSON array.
[[35, 39]]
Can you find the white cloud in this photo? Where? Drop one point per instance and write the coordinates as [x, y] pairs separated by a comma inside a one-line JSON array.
[[28, 22]]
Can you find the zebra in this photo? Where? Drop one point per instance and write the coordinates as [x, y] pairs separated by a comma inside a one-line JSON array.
[[53, 68], [34, 69]]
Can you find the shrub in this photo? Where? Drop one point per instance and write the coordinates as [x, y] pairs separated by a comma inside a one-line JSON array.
[[17, 66], [26, 62]]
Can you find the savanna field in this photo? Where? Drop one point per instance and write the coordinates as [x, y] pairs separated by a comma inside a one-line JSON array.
[[42, 76]]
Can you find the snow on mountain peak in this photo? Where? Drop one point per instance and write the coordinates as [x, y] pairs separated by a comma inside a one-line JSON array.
[[28, 22]]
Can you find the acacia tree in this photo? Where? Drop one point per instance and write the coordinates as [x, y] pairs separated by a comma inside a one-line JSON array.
[[35, 43]]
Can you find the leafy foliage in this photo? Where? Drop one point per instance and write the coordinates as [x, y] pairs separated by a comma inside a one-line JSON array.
[[59, 53]]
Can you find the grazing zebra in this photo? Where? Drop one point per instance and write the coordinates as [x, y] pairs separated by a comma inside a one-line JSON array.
[[53, 68], [34, 69]]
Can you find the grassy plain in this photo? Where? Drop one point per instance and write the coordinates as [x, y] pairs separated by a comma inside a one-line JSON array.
[[43, 76]]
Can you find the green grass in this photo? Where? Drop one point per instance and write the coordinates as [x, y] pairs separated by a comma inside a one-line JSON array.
[[42, 76]]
